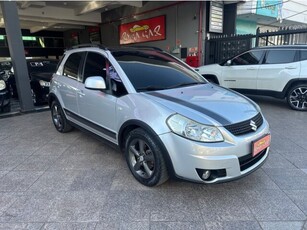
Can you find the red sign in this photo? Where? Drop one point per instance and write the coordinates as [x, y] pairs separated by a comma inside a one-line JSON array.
[[152, 29]]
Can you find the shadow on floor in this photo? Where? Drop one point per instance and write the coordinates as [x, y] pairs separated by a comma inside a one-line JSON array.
[[16, 110]]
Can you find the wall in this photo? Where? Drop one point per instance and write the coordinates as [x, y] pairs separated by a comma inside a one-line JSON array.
[[245, 27], [181, 23], [83, 37]]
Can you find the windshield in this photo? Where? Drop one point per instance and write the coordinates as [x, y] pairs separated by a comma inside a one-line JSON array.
[[154, 70]]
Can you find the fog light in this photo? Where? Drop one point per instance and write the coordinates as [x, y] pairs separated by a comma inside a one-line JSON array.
[[206, 174]]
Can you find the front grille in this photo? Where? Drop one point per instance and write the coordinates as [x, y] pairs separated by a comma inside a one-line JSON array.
[[248, 160], [244, 126]]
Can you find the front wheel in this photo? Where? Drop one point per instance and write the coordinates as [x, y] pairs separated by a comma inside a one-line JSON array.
[[58, 118], [145, 158], [297, 97]]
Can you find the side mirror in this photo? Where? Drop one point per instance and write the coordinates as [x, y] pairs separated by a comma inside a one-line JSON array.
[[228, 63], [95, 82]]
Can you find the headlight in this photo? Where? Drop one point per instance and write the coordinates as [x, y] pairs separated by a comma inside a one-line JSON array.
[[2, 85], [44, 83], [192, 130]]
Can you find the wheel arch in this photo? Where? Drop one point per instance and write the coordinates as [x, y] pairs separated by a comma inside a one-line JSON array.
[[291, 84], [51, 98], [211, 77], [130, 125]]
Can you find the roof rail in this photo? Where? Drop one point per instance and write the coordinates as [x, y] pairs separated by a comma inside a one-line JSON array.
[[87, 45], [147, 47]]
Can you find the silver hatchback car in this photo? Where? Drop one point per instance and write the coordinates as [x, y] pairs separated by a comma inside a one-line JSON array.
[[165, 117]]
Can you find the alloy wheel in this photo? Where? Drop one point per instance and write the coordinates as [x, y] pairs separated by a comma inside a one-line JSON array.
[[298, 98], [57, 117], [141, 158]]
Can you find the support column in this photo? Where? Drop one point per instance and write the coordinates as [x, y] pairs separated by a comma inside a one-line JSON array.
[[14, 38]]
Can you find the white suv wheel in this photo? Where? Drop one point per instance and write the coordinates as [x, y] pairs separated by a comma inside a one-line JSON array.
[[297, 97]]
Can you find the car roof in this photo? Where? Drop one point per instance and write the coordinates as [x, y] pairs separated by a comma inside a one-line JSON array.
[[113, 49], [299, 46]]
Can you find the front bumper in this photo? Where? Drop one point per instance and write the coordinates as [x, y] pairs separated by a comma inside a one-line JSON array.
[[45, 93], [228, 160], [4, 98]]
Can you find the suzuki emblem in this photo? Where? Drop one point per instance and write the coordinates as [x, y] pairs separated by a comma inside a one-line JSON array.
[[253, 125]]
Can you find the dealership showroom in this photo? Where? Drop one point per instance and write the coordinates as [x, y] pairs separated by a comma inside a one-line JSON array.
[[153, 115]]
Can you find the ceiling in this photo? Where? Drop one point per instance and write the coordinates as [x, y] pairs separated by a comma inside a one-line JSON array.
[[63, 15]]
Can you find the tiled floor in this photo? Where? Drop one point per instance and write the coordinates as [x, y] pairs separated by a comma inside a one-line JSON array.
[[50, 180], [16, 110]]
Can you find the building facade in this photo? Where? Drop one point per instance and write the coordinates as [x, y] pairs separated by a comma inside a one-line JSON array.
[[176, 27]]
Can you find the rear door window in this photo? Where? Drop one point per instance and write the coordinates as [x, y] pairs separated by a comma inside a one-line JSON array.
[[303, 55], [280, 56]]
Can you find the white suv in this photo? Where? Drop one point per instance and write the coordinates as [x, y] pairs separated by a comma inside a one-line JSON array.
[[277, 71]]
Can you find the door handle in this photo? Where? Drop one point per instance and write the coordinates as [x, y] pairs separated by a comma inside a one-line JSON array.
[[290, 67], [251, 68]]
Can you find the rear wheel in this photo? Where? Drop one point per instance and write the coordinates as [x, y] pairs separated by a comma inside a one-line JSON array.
[[58, 118], [144, 158], [297, 97]]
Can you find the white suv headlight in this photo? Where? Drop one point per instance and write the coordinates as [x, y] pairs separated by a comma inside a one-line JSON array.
[[193, 130], [2, 85]]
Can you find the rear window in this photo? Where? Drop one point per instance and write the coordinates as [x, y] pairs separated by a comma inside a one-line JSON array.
[[280, 56], [154, 70]]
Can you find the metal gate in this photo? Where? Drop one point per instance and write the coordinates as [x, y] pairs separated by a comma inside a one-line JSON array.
[[222, 47]]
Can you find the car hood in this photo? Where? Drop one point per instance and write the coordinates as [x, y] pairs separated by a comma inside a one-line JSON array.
[[211, 68], [207, 103]]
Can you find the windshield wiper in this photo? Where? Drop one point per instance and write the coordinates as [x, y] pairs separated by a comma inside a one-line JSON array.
[[153, 88], [150, 88], [186, 84]]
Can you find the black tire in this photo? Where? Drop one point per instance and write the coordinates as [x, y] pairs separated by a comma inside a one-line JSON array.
[[34, 97], [145, 158], [297, 97], [58, 118], [6, 109]]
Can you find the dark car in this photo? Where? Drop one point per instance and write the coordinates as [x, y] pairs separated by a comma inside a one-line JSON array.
[[40, 72], [5, 67]]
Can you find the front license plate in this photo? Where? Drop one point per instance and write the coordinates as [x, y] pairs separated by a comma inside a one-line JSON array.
[[261, 144]]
